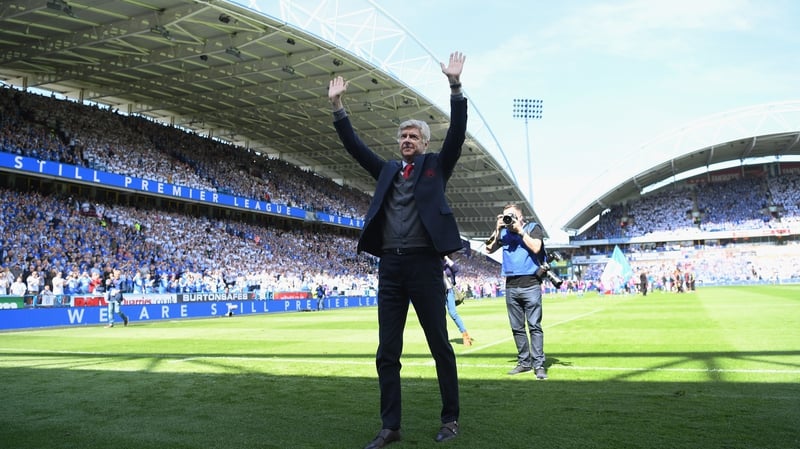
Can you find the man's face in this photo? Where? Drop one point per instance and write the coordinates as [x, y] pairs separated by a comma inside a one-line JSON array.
[[411, 143]]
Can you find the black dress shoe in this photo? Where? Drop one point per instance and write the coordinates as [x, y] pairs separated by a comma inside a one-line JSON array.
[[447, 432], [384, 438]]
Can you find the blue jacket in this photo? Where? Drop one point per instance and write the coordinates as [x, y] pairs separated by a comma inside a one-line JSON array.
[[517, 258], [430, 176]]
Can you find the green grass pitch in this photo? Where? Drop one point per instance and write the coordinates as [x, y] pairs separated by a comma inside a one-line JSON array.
[[715, 368]]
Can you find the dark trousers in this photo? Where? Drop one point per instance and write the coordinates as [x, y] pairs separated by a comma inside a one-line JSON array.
[[524, 305], [418, 278]]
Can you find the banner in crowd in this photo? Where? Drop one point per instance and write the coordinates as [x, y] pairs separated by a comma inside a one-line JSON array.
[[41, 317], [291, 295], [206, 297], [89, 175], [340, 221], [12, 302]]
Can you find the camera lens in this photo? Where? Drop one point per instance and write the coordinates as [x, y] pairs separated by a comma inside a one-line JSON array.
[[508, 219]]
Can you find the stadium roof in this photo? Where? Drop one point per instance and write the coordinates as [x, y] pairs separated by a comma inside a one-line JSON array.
[[705, 146], [233, 73]]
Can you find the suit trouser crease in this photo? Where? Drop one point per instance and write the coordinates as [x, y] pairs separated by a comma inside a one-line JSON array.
[[416, 278]]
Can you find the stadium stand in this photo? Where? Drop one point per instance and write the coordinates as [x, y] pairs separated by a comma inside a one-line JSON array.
[[733, 226], [65, 131], [158, 250], [179, 250], [735, 204]]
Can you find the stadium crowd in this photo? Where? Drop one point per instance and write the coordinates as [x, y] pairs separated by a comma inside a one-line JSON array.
[[52, 243], [60, 130], [45, 237], [159, 251], [735, 204]]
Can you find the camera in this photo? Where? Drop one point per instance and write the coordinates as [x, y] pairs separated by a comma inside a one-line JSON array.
[[509, 219], [553, 256], [545, 270]]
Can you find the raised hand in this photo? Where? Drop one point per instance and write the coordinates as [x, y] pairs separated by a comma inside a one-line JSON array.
[[454, 67], [336, 89]]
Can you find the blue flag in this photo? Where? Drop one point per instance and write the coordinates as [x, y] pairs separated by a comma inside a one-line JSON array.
[[617, 272]]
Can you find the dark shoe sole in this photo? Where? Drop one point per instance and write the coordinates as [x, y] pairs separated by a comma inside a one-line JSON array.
[[384, 438], [447, 432]]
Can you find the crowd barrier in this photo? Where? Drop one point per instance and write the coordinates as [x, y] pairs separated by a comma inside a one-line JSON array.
[[82, 310]]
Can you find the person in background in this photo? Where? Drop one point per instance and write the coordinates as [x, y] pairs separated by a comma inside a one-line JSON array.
[[18, 288], [410, 226], [46, 297], [450, 270], [58, 287], [320, 292], [523, 256], [113, 297], [6, 278], [643, 282], [34, 285]]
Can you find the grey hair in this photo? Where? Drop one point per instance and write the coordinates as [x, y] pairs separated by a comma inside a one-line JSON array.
[[420, 125]]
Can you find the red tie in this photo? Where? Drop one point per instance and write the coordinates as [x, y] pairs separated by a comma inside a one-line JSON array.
[[407, 170]]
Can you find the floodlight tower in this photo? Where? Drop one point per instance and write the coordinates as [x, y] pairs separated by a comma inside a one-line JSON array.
[[528, 109]]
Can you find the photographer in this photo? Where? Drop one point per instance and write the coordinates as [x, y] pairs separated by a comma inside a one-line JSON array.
[[523, 266]]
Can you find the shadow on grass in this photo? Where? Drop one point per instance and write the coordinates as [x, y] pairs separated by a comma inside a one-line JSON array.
[[83, 407]]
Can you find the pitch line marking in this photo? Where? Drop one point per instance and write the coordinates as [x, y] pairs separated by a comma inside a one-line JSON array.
[[372, 362], [504, 340]]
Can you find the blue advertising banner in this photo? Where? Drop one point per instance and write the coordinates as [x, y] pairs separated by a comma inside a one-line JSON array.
[[340, 221], [79, 316], [112, 180], [88, 175]]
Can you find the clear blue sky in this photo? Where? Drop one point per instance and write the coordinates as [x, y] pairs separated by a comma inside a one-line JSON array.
[[612, 74]]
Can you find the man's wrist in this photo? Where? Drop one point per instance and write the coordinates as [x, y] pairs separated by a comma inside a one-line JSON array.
[[339, 114]]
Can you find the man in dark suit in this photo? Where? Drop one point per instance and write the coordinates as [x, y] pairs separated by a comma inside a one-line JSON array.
[[410, 226]]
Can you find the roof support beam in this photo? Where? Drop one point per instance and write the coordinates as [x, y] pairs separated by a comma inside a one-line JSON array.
[[749, 149]]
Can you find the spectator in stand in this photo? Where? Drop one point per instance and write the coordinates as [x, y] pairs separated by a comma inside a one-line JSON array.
[[96, 283], [72, 284], [58, 287], [6, 278], [18, 288], [33, 284], [84, 281], [46, 297], [138, 282]]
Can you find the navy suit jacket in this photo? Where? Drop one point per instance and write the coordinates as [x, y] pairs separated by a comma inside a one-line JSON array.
[[430, 176]]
